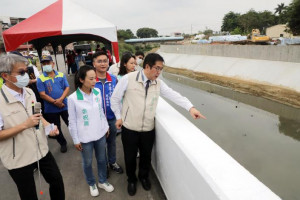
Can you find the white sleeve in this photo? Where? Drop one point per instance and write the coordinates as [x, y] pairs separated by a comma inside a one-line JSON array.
[[110, 70], [73, 121], [117, 96], [114, 69], [174, 96], [36, 72], [1, 123]]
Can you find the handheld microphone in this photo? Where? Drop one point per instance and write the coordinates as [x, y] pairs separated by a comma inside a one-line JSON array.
[[36, 110]]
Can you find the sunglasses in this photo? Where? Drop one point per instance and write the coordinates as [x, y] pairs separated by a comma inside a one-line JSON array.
[[22, 72]]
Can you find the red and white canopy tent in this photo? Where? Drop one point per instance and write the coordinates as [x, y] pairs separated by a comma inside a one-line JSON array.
[[61, 23]]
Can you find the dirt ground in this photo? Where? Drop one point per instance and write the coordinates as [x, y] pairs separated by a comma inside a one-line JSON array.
[[272, 92]]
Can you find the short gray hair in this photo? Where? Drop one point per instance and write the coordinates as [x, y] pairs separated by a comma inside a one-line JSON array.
[[7, 62]]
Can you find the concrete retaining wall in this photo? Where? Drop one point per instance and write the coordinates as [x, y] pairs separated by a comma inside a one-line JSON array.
[[258, 52], [189, 165], [284, 74]]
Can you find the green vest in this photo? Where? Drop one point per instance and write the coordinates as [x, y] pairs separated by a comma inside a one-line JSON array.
[[1, 82]]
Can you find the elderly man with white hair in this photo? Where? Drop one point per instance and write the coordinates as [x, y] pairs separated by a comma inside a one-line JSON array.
[[23, 141]]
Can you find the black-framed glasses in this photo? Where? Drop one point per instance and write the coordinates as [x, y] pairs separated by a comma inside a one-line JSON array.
[[102, 61], [158, 69]]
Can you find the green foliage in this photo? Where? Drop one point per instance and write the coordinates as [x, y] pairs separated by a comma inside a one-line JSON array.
[[125, 34], [186, 36], [208, 32], [132, 48], [244, 23], [146, 33], [123, 47], [294, 17], [280, 8], [236, 31], [266, 19], [230, 21], [249, 21]]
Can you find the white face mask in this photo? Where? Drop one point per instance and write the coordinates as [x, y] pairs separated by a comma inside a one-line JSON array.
[[47, 68], [139, 61], [22, 81]]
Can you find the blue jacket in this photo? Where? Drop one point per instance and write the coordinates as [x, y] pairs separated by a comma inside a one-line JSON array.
[[106, 91]]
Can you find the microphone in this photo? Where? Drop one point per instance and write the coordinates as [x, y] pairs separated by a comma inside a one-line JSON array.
[[36, 109]]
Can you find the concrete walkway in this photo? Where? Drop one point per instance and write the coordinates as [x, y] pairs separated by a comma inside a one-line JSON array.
[[76, 187]]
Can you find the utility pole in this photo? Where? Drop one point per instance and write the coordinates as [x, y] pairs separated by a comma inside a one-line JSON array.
[[191, 29]]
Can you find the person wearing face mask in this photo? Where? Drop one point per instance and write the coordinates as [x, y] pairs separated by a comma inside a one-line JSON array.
[[139, 57], [23, 146], [54, 88], [33, 73]]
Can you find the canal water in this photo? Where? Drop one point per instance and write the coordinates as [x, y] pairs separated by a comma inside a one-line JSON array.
[[266, 144]]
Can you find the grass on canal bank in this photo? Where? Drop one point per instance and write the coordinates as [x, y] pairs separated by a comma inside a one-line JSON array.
[[275, 93]]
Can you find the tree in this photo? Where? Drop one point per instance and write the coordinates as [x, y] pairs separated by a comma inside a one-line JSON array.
[[266, 19], [280, 7], [294, 17], [230, 21], [236, 31], [125, 34], [208, 32], [249, 21], [146, 32]]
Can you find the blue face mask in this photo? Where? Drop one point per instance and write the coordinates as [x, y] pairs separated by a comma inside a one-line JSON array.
[[47, 68]]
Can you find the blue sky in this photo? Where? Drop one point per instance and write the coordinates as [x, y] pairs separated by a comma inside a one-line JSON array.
[[166, 16]]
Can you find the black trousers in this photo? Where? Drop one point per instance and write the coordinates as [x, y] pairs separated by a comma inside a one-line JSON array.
[[24, 179], [132, 142], [55, 119]]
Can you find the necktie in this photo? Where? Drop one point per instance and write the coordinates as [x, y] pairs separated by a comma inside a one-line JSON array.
[[147, 86]]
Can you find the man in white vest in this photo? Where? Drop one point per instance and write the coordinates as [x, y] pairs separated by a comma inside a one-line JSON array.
[[139, 91], [23, 144]]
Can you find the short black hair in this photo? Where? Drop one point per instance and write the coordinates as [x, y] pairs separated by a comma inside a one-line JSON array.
[[151, 59], [99, 53], [139, 53], [81, 74]]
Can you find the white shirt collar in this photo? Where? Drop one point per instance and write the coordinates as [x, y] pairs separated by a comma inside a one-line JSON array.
[[85, 94], [14, 93], [145, 77]]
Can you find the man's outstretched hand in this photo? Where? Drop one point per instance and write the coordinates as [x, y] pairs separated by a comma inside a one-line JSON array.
[[196, 114]]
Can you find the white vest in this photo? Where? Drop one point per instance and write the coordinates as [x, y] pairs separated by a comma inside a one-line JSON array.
[[139, 110], [91, 123]]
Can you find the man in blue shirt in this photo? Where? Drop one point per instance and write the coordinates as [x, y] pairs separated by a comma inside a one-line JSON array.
[[106, 83], [53, 88]]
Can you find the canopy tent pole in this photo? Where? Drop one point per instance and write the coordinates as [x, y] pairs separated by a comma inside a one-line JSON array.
[[54, 51], [116, 50], [64, 54]]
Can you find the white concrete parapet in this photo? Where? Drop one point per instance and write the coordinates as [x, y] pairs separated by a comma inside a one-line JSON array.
[[189, 165], [277, 73]]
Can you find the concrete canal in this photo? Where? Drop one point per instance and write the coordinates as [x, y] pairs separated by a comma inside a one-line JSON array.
[[265, 143]]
